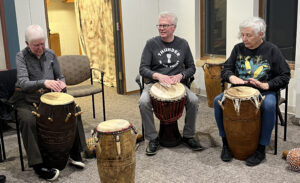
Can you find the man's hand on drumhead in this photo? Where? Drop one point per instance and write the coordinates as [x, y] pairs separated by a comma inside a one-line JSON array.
[[53, 85], [258, 84], [176, 78], [237, 81], [163, 79]]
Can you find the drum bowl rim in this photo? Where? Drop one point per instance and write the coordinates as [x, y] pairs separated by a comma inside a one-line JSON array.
[[115, 132]]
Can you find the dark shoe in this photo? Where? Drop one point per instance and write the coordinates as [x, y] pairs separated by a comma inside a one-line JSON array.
[[45, 173], [76, 160], [139, 138], [152, 147], [192, 144], [2, 178], [226, 154], [256, 158]]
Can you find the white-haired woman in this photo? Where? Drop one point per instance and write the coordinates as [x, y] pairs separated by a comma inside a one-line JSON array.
[[259, 64]]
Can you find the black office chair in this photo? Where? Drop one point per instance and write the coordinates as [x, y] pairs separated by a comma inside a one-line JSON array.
[[283, 122], [8, 79], [141, 81]]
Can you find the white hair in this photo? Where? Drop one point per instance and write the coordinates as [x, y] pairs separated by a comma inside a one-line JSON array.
[[170, 15], [256, 23], [34, 32]]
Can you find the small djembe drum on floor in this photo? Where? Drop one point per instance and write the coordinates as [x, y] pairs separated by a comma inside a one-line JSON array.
[[212, 76], [242, 119], [293, 159], [115, 151], [56, 127], [168, 104]]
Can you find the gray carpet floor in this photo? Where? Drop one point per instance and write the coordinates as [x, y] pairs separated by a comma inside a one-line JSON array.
[[170, 165]]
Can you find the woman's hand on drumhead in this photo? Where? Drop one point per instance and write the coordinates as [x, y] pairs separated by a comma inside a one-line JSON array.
[[237, 81], [258, 84]]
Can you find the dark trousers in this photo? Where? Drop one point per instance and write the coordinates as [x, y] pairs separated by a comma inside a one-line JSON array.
[[29, 133]]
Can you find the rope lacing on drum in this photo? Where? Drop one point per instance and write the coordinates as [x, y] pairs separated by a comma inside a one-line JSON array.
[[255, 101], [237, 104]]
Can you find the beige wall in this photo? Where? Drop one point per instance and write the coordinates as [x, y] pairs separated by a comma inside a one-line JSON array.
[[62, 20], [29, 12]]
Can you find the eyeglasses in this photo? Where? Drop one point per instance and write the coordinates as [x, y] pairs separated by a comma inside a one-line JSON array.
[[38, 45], [163, 25]]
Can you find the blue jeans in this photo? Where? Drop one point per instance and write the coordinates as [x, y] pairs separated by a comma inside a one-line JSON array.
[[268, 116]]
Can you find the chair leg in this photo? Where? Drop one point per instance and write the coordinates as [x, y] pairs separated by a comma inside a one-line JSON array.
[[1, 159], [285, 122], [143, 137], [276, 136], [93, 107], [103, 106], [19, 142], [2, 142], [282, 122], [103, 101]]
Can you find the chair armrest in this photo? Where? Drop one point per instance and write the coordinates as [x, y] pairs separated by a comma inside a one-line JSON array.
[[283, 100], [138, 81], [102, 74], [94, 68], [190, 81]]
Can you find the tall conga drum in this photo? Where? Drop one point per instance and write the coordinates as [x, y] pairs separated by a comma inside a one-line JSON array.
[[56, 127], [168, 104], [115, 151], [242, 120], [212, 76]]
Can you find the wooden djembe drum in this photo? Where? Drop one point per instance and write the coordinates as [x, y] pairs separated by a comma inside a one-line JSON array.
[[115, 151], [56, 127], [212, 76], [168, 104], [242, 119]]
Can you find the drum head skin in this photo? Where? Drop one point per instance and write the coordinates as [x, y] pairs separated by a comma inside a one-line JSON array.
[[216, 61], [57, 98], [113, 125], [241, 92], [163, 93]]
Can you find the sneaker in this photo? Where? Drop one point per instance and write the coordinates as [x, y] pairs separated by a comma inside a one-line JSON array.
[[192, 144], [76, 160], [2, 178], [48, 174], [226, 154], [256, 158], [152, 147]]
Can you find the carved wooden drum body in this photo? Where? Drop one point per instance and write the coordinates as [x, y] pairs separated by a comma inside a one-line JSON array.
[[56, 127], [115, 151], [242, 120], [168, 105], [212, 76]]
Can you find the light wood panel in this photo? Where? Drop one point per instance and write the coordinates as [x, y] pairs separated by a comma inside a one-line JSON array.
[[55, 43]]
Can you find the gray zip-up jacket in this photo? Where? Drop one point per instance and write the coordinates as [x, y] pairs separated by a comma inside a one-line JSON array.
[[32, 72]]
